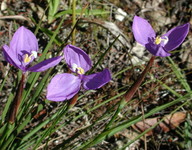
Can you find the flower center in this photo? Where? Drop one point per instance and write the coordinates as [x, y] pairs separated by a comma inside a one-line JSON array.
[[27, 58], [77, 69], [163, 39]]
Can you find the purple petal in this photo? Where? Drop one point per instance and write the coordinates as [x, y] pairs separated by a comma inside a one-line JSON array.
[[74, 55], [46, 64], [63, 86], [11, 58], [23, 42], [97, 80], [142, 30], [176, 36], [157, 50]]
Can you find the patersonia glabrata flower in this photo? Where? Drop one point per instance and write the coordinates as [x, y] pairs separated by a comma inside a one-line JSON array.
[[65, 86], [158, 45], [23, 50]]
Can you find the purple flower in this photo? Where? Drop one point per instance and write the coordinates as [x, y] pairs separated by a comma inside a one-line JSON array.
[[158, 45], [65, 86], [23, 50]]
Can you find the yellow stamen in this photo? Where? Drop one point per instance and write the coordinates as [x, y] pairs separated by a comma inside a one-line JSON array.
[[158, 40], [77, 69], [80, 70], [27, 58]]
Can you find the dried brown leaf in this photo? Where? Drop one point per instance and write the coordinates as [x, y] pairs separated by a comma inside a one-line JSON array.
[[169, 122]]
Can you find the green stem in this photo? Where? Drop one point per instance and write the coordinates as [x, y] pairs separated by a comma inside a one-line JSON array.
[[73, 20]]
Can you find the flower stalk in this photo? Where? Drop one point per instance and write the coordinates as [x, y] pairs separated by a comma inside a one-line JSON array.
[[131, 91], [129, 94], [73, 101], [17, 100]]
